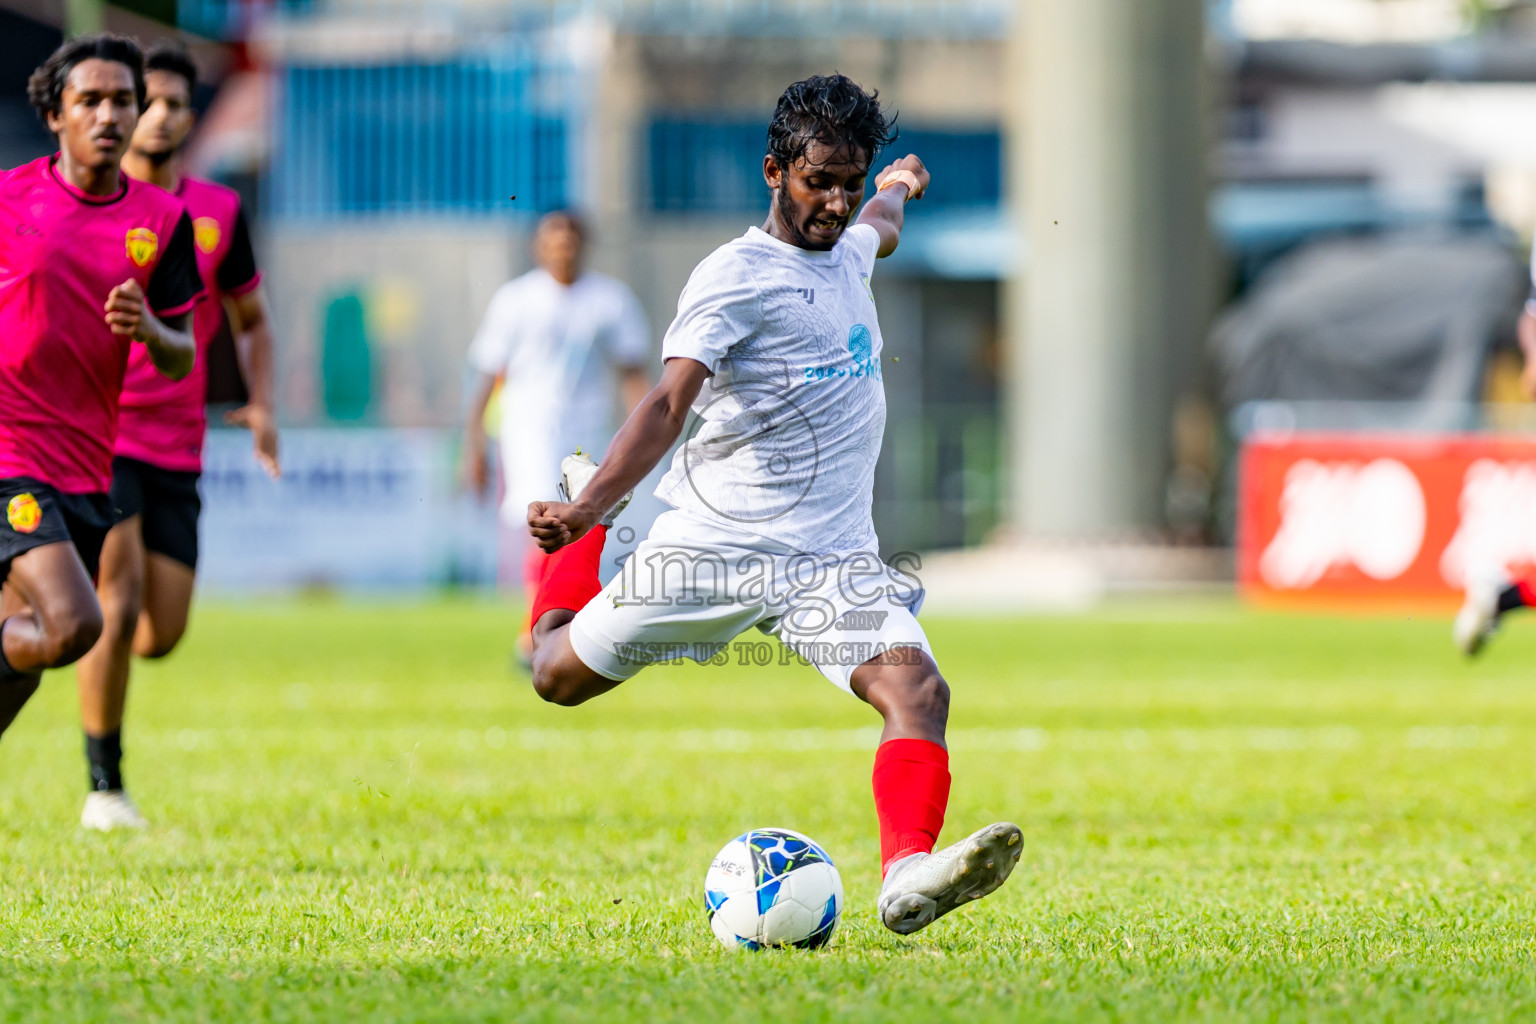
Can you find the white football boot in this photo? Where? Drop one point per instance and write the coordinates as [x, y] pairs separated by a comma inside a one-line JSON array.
[[923, 887], [1479, 617], [109, 810], [576, 471]]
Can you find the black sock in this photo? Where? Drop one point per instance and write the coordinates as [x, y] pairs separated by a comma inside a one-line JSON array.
[[1510, 598], [105, 754]]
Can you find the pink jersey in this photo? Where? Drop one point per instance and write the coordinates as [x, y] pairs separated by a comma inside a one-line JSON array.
[[61, 367], [163, 420]]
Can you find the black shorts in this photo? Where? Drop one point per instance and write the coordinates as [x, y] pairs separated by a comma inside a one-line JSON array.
[[37, 514], [166, 502]]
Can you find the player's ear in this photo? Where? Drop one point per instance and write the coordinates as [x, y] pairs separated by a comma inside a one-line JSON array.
[[55, 122], [772, 173]]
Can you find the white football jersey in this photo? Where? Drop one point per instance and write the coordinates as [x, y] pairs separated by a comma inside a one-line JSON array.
[[793, 417], [557, 348]]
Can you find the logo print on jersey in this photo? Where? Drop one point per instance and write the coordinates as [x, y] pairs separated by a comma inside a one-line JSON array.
[[142, 246], [23, 513], [205, 230], [860, 343]]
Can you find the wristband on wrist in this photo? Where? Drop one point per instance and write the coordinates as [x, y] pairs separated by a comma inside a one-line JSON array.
[[903, 177]]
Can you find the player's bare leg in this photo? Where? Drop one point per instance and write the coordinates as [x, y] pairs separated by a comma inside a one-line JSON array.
[[15, 689], [559, 676], [905, 686], [168, 586], [49, 618], [102, 677], [911, 783]]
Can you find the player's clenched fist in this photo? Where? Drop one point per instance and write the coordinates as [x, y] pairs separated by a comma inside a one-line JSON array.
[[911, 165], [554, 524], [125, 310]]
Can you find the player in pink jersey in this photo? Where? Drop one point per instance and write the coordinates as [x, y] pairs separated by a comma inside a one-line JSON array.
[[92, 265], [150, 556]]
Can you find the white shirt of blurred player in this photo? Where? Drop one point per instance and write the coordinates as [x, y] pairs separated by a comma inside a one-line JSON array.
[[793, 417], [557, 349]]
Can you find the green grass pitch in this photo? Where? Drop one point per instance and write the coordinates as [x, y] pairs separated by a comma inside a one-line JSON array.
[[360, 814]]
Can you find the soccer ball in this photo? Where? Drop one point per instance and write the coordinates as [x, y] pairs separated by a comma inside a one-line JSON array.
[[773, 887]]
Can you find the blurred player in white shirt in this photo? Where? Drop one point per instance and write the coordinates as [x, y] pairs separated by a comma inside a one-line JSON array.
[[563, 342]]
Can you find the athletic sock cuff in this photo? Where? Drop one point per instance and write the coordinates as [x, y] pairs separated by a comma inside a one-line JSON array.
[[105, 757], [907, 749]]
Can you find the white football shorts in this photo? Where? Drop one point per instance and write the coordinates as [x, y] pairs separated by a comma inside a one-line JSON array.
[[691, 587]]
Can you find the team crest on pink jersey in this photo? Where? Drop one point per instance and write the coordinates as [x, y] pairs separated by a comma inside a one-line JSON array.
[[207, 234], [142, 246]]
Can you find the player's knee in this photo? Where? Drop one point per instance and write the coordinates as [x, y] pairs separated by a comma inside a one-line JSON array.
[[156, 650], [119, 620], [921, 695], [156, 643], [71, 635], [556, 689]]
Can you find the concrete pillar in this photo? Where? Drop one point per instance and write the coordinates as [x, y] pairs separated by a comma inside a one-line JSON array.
[[1106, 321]]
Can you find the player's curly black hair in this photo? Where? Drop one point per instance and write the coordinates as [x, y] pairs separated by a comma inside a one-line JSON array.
[[830, 109], [170, 55], [45, 89]]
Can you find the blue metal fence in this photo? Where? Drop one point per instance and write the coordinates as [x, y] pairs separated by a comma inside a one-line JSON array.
[[453, 137], [713, 165]]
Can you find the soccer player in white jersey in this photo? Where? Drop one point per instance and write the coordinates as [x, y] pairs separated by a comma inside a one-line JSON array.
[[777, 349]]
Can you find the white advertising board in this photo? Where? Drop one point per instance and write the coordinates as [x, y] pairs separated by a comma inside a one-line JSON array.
[[358, 508]]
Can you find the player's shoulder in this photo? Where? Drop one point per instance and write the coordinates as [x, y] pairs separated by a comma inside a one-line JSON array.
[[25, 175], [30, 169], [605, 287], [735, 261], [141, 198], [196, 191], [523, 285], [860, 236]]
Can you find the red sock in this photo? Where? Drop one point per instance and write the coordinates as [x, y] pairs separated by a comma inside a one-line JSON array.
[[1527, 588], [570, 575], [911, 784]]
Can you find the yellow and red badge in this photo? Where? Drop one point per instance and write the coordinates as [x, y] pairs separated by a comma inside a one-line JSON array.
[[23, 513], [142, 246], [207, 234]]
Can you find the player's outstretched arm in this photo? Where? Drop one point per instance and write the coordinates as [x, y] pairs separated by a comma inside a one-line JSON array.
[[904, 180], [473, 471], [251, 323], [646, 436], [169, 341]]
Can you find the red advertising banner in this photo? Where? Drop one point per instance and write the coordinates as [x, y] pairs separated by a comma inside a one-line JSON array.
[[1376, 520]]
